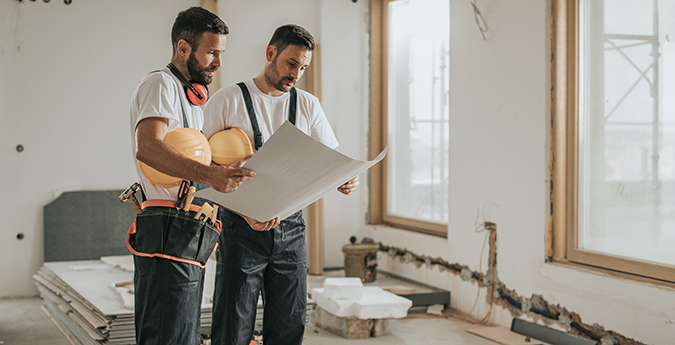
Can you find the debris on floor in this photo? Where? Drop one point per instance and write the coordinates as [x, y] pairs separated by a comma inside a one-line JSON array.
[[436, 309]]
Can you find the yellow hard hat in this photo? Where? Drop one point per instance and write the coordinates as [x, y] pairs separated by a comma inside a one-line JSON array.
[[191, 143], [230, 145]]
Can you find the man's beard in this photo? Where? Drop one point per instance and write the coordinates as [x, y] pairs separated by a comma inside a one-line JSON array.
[[273, 78], [197, 72]]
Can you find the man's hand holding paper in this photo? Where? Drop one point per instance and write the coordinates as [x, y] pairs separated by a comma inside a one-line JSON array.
[[292, 170]]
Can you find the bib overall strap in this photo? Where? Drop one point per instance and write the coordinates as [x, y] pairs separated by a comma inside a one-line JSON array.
[[257, 136], [292, 106], [185, 184], [185, 120]]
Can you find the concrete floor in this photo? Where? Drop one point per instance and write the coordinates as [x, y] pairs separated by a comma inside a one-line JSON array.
[[22, 322]]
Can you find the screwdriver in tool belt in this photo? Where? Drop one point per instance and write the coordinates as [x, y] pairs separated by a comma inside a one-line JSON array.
[[188, 199]]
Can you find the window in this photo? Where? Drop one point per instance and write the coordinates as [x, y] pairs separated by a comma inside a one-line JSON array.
[[614, 129], [410, 112]]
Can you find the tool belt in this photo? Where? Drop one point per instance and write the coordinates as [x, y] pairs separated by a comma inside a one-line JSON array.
[[164, 229]]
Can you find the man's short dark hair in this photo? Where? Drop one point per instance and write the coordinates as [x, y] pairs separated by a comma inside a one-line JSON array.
[[192, 23], [291, 34]]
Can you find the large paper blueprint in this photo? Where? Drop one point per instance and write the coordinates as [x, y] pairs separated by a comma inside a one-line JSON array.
[[292, 171]]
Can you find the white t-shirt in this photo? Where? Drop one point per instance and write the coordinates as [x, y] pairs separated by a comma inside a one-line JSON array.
[[226, 108], [161, 94]]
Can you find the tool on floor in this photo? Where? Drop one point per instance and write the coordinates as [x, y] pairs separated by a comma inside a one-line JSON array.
[[122, 284], [129, 194], [188, 198]]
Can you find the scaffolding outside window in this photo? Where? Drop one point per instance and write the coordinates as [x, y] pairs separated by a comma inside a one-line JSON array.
[[413, 111], [620, 136]]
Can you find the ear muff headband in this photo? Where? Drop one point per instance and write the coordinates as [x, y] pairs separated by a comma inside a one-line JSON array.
[[196, 93]]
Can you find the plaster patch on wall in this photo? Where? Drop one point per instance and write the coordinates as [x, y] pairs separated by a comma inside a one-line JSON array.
[[466, 274], [608, 340]]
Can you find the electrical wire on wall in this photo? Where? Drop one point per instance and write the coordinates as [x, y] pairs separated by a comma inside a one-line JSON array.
[[67, 2], [12, 28], [492, 236], [480, 20]]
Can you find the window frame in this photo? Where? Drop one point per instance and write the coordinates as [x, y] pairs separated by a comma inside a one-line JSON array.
[[379, 129], [565, 151]]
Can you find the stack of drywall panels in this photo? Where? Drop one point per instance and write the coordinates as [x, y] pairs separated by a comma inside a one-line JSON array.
[[81, 299]]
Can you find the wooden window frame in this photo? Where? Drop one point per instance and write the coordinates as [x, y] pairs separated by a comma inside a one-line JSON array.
[[378, 128], [565, 139]]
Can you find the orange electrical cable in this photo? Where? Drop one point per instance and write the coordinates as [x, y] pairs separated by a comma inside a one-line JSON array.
[[493, 250]]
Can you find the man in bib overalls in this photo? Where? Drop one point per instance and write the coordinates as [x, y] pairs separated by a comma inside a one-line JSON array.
[[168, 293], [266, 255]]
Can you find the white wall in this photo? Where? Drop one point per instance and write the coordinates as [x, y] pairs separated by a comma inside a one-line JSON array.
[[68, 72], [499, 154]]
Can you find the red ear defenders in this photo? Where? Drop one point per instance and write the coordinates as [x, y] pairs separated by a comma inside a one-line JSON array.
[[196, 93]]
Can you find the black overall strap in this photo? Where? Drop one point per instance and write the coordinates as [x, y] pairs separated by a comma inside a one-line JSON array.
[[292, 106], [257, 136], [185, 184], [185, 120]]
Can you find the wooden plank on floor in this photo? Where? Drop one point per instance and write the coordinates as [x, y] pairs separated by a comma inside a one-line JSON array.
[[504, 336]]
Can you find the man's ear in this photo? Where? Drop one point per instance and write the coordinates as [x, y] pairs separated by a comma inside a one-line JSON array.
[[183, 49], [270, 53]]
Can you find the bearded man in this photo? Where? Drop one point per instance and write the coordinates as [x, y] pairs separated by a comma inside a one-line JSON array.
[[168, 292]]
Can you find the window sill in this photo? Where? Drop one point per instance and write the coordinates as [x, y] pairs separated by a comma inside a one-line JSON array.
[[564, 263]]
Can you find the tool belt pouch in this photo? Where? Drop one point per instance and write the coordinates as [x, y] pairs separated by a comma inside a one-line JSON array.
[[174, 234]]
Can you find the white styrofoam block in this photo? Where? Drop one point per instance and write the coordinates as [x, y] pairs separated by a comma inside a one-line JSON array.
[[337, 307], [379, 304], [374, 303], [343, 288]]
